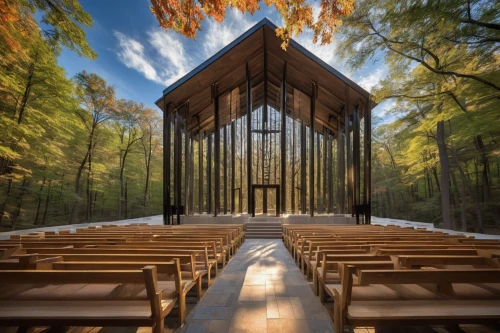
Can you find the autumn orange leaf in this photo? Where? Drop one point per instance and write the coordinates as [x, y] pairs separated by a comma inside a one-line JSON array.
[[185, 16]]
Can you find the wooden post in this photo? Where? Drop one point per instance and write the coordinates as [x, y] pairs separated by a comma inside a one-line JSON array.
[[191, 175], [293, 167], [166, 164], [283, 143], [356, 162], [368, 162], [224, 154], [187, 162], [215, 104], [340, 169], [318, 182], [178, 167], [323, 198], [314, 94], [330, 174], [249, 137], [303, 185], [347, 129], [200, 171], [209, 174], [233, 163]]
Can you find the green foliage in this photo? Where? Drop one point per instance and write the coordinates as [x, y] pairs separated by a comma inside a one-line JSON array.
[[47, 120], [443, 74]]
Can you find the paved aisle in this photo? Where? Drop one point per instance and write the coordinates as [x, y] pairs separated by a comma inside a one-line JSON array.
[[260, 290]]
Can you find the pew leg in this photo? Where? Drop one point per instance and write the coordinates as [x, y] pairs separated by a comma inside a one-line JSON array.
[[209, 273], [199, 287], [308, 271], [315, 282], [321, 291], [182, 309], [302, 263], [159, 325], [338, 319]]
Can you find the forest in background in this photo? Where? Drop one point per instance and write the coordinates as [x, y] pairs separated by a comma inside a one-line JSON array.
[[438, 161], [71, 151]]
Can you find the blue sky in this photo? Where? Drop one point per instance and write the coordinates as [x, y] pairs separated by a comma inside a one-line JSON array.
[[140, 59]]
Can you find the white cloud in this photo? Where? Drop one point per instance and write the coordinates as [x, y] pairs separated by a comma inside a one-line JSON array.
[[132, 55], [218, 35], [327, 53], [173, 58], [372, 80], [164, 60]]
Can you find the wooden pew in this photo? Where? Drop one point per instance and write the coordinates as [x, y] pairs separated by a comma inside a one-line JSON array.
[[171, 270], [150, 310], [184, 259], [388, 309], [329, 272], [202, 264]]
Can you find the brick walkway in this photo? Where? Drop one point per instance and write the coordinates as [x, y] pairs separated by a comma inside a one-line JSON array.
[[260, 290]]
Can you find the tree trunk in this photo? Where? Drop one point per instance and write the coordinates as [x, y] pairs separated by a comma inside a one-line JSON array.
[[436, 178], [27, 91], [147, 159], [389, 203], [24, 188], [39, 201], [7, 195], [46, 204], [76, 203], [122, 205], [468, 185], [445, 171], [485, 179]]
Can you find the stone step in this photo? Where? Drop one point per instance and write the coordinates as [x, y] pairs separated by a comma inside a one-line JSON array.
[[263, 234], [256, 236], [273, 227], [265, 230]]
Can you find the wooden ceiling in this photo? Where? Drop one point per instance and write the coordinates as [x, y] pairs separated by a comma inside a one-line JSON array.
[[228, 70]]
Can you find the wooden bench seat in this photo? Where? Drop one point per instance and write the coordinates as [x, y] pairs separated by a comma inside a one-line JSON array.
[[423, 312], [170, 278], [414, 303], [106, 311]]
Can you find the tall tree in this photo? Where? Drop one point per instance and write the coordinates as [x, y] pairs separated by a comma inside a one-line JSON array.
[[151, 126], [448, 49], [127, 119], [97, 103]]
